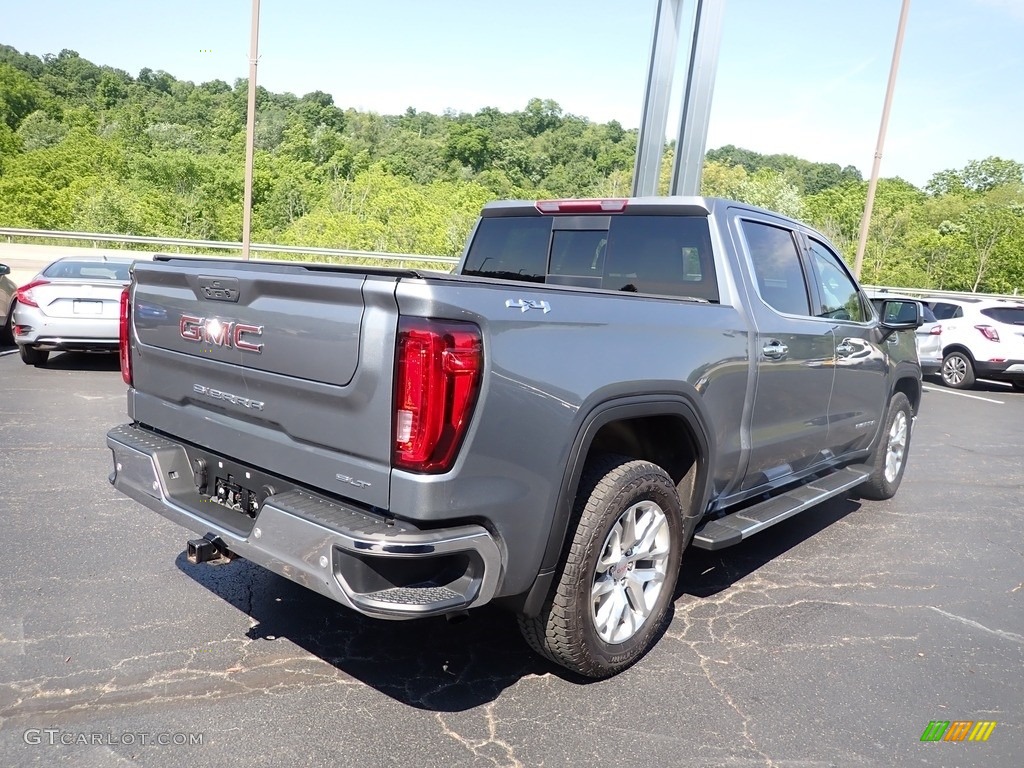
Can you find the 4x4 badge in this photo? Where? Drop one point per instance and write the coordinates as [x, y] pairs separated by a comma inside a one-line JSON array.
[[523, 305]]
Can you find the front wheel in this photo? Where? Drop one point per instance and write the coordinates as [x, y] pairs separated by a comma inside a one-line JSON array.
[[32, 356], [889, 459], [957, 371], [619, 572]]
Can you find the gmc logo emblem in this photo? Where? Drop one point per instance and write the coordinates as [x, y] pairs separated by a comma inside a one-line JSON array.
[[220, 333]]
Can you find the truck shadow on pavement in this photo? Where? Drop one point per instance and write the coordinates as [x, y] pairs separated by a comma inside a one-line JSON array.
[[82, 361], [429, 663], [705, 573], [443, 666]]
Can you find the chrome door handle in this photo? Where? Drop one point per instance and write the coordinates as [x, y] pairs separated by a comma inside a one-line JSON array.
[[845, 349], [774, 350]]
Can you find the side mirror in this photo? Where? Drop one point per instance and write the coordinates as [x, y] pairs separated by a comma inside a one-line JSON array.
[[4, 270], [901, 315]]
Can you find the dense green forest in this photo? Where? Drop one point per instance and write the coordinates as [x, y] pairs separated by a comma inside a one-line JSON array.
[[91, 148]]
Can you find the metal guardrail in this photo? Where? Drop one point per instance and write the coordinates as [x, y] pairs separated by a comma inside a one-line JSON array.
[[96, 237], [925, 292], [178, 242]]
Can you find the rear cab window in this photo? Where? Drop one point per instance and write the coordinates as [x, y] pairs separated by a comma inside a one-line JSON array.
[[89, 270], [666, 255]]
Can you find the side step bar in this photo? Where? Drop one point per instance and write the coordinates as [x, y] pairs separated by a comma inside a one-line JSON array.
[[734, 528]]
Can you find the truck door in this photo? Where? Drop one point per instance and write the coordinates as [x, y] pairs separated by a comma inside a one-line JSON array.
[[859, 395], [793, 353]]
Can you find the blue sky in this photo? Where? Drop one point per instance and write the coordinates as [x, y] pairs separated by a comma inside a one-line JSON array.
[[806, 77]]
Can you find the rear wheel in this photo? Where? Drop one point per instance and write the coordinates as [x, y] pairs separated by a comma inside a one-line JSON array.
[[31, 356], [889, 459], [957, 371], [1018, 385], [616, 583]]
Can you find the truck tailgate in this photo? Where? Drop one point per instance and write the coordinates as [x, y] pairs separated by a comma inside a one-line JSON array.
[[274, 365]]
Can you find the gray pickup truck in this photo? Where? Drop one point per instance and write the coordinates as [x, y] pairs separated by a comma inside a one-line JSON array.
[[599, 385]]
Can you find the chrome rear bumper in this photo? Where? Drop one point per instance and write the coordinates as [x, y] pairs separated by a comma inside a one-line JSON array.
[[379, 567]]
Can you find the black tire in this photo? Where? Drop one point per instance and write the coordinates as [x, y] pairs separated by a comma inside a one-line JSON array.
[[957, 370], [613, 490], [1018, 385], [7, 329], [889, 460], [31, 356]]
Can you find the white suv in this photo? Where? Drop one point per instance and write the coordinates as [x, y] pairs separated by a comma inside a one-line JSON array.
[[928, 336], [981, 338]]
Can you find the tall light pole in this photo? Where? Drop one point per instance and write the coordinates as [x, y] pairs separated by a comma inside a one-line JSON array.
[[869, 204], [250, 128]]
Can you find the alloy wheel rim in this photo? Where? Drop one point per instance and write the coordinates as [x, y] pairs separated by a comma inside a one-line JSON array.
[[897, 447], [630, 572], [954, 370]]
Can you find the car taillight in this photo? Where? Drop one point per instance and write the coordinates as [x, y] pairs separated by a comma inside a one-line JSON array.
[[988, 332], [595, 205], [935, 331], [124, 336], [437, 376], [24, 294]]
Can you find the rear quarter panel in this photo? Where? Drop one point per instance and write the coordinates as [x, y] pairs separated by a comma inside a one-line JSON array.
[[545, 371]]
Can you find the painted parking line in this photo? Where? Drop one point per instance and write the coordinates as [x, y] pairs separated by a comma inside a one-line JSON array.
[[964, 394], [8, 352]]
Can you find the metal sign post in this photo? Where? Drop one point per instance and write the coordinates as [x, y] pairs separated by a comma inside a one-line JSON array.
[[250, 128], [705, 34]]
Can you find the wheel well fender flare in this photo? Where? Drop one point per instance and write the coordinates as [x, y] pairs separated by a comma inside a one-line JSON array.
[[676, 403], [958, 348]]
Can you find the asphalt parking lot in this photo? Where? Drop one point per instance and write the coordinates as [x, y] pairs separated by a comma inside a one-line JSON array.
[[830, 640]]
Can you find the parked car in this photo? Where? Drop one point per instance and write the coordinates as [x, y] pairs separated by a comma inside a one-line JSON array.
[[72, 305], [981, 339], [7, 289], [928, 337]]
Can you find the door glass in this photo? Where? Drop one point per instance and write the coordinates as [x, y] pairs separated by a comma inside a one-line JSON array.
[[839, 295], [776, 262]]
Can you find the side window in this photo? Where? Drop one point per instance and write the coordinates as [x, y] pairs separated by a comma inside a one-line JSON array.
[[944, 311], [839, 295], [776, 261]]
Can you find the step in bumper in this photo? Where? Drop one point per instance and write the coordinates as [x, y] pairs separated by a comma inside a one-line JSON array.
[[377, 566]]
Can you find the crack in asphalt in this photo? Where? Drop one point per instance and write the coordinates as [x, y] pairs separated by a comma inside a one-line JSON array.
[[184, 682], [971, 623], [506, 757]]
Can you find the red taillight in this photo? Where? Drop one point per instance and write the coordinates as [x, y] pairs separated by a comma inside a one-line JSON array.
[[437, 376], [988, 332], [24, 294], [124, 336], [596, 205], [935, 331]]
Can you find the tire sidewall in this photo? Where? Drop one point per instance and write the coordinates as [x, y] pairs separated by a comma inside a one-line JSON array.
[[645, 484], [898, 403]]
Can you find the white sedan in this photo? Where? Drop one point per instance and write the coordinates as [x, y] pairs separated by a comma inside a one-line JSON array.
[[72, 305]]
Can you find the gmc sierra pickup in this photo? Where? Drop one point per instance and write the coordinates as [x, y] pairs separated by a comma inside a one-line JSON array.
[[599, 385]]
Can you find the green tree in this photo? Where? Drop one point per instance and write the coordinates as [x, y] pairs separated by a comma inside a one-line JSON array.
[[19, 96], [976, 177], [38, 131]]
